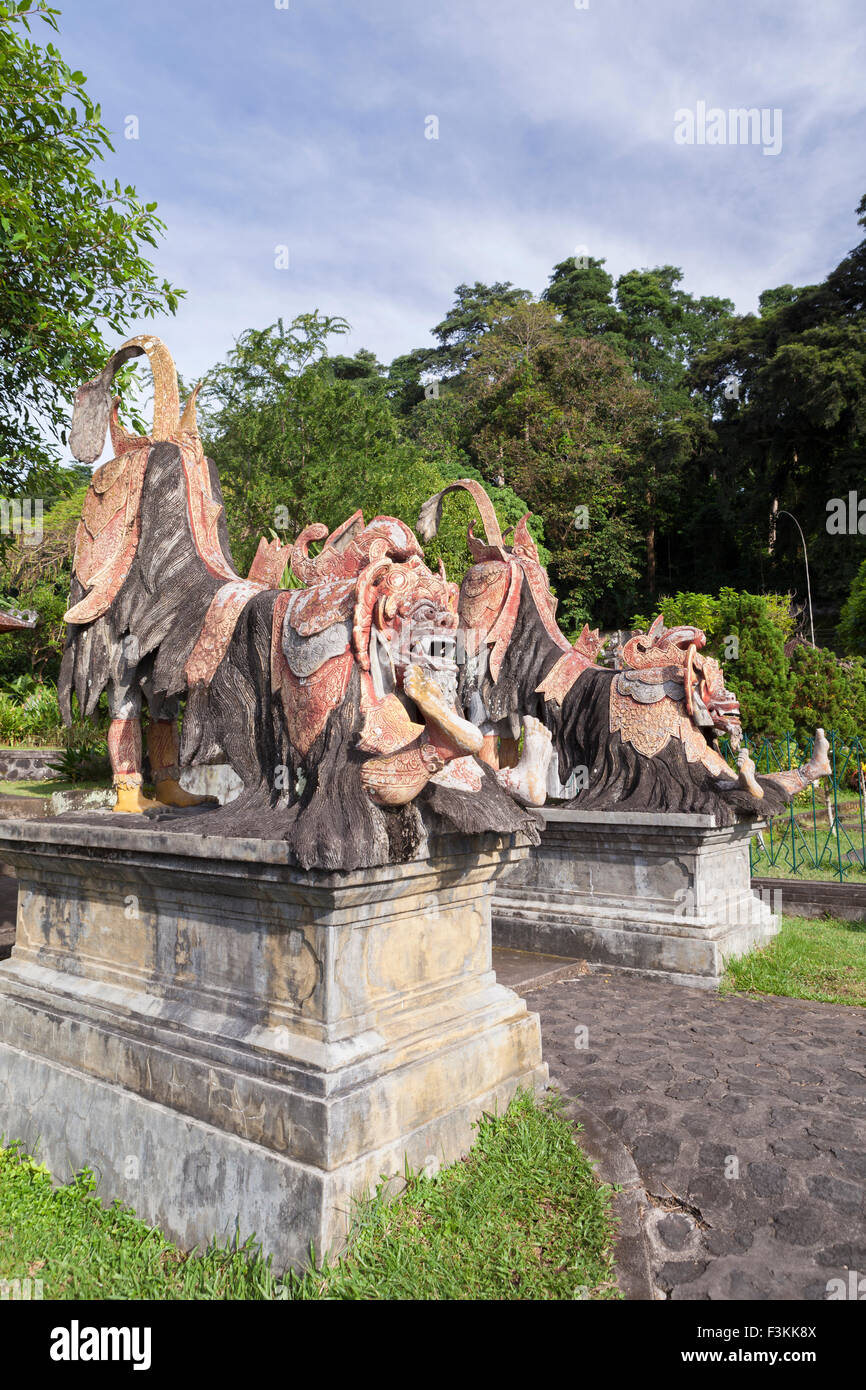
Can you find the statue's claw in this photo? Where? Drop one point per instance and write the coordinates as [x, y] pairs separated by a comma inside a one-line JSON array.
[[747, 778], [799, 778]]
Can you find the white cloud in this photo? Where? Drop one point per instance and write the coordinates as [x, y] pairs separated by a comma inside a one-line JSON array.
[[305, 127]]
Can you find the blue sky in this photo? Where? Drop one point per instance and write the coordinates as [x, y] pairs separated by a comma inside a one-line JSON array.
[[305, 127]]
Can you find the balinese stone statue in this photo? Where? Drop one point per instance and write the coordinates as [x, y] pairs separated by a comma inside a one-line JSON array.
[[646, 735], [151, 552], [335, 703]]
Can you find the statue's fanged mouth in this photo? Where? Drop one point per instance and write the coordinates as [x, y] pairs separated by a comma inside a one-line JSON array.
[[435, 653]]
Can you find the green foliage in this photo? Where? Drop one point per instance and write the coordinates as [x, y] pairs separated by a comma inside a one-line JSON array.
[[684, 610], [297, 443], [754, 662], [781, 613], [581, 289], [759, 673], [30, 717], [794, 436], [31, 720], [822, 691], [12, 720], [822, 694], [854, 696], [658, 328], [40, 648], [83, 761], [563, 422], [456, 336], [852, 625], [71, 246], [709, 614], [19, 687], [38, 577], [468, 319], [823, 960], [522, 1216]]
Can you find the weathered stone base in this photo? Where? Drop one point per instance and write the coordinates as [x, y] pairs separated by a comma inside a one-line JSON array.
[[668, 896], [233, 1044]]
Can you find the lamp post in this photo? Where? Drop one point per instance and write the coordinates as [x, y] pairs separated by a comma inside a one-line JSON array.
[[806, 562]]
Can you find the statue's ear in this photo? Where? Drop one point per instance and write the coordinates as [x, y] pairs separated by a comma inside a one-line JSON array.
[[348, 532], [92, 409], [90, 417]]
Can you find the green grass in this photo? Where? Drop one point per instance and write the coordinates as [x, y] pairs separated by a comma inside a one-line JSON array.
[[52, 736], [822, 959], [522, 1216], [25, 787], [826, 872], [31, 747]]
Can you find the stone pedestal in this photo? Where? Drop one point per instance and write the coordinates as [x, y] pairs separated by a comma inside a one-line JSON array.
[[664, 895], [230, 1042]]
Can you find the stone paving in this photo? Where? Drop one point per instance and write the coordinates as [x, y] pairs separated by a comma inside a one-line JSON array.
[[745, 1117]]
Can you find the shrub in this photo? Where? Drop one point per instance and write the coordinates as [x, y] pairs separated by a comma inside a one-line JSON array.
[[759, 673], [686, 609], [821, 694], [83, 761]]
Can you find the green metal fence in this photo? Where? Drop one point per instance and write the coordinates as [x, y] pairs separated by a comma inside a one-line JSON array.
[[822, 834]]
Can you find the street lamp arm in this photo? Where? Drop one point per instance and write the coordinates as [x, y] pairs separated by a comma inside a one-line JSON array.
[[806, 562]]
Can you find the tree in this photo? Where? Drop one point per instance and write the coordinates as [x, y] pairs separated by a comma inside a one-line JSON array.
[[364, 366], [468, 318], [562, 421], [658, 327], [456, 336], [294, 444], [38, 577], [71, 247], [581, 289], [791, 430], [852, 624]]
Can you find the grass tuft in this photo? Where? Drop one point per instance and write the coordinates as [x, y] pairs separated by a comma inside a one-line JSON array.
[[521, 1216], [811, 958]]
